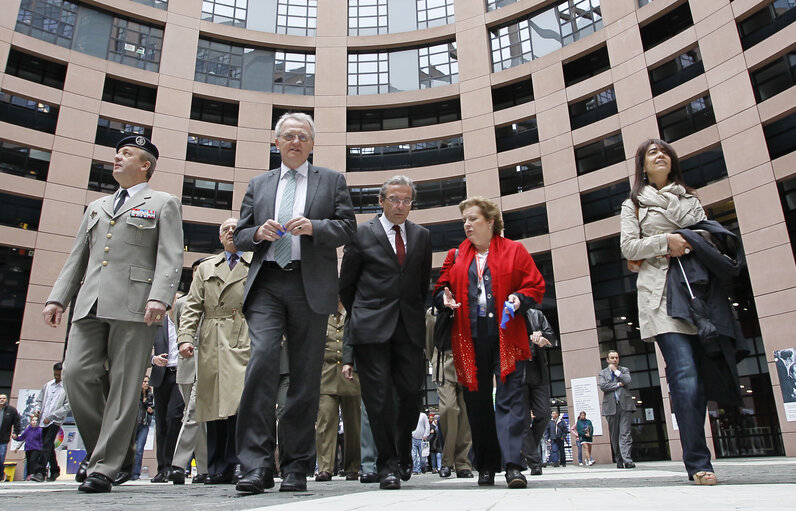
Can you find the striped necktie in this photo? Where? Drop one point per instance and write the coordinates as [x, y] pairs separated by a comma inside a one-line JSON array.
[[282, 246]]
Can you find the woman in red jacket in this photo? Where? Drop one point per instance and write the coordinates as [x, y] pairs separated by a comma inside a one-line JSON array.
[[489, 275]]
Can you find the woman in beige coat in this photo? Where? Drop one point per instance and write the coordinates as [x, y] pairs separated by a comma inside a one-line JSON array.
[[660, 202], [222, 349]]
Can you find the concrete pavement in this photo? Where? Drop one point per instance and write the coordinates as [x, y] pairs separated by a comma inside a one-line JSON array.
[[750, 483]]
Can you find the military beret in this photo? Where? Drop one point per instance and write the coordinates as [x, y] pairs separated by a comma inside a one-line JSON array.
[[139, 141]]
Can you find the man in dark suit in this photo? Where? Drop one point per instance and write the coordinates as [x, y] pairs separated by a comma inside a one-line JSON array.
[[121, 299], [618, 408], [537, 379], [293, 218], [384, 281], [556, 434], [169, 404]]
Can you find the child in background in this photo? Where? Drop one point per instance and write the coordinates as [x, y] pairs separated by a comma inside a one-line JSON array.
[[32, 438]]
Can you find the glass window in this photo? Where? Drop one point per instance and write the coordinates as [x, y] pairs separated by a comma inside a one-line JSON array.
[[24, 161], [129, 94], [28, 113], [588, 65], [404, 117], [599, 154], [35, 69], [158, 4], [666, 26], [605, 202], [445, 192], [135, 44], [20, 212], [677, 71], [520, 178], [294, 73], [365, 199], [526, 223], [15, 266], [52, 21], [491, 5], [787, 196], [704, 168], [511, 95], [212, 110], [225, 12], [402, 70], [206, 193], [219, 63], [277, 113], [110, 132], [367, 17], [770, 19], [446, 236], [368, 73], [781, 136], [688, 119], [200, 238], [775, 77], [439, 65], [544, 31], [297, 17], [592, 109], [100, 178], [433, 13], [402, 156], [518, 134], [210, 150]]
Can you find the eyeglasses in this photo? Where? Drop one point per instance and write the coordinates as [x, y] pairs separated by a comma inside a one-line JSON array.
[[395, 201], [290, 137], [228, 228]]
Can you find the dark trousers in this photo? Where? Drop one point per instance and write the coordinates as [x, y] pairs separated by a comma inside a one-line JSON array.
[[277, 305], [33, 462], [497, 431], [689, 404], [221, 454], [539, 402], [557, 452], [168, 418], [388, 372], [48, 434]]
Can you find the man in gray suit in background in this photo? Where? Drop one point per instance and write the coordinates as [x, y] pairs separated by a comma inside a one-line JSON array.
[[618, 408], [293, 218], [126, 262]]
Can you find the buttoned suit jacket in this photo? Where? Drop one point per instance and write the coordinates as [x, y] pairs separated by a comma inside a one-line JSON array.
[[376, 290], [608, 387], [120, 261], [328, 207]]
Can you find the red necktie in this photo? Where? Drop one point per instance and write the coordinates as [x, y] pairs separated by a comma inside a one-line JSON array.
[[400, 250]]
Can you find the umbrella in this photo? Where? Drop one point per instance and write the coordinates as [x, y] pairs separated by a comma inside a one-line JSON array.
[[700, 313]]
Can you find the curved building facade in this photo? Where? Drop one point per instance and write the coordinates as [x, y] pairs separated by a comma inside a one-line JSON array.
[[542, 112]]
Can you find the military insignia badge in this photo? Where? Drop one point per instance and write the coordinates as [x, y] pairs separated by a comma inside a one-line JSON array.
[[142, 213], [93, 214], [141, 141]]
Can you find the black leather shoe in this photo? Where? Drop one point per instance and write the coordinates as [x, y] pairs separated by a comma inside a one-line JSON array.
[[620, 464], [464, 474], [446, 472], [177, 475], [404, 471], [294, 481], [370, 477], [515, 479], [237, 474], [536, 470], [122, 477], [255, 481], [81, 474], [96, 483], [200, 478], [324, 476], [486, 478], [351, 476], [160, 477], [222, 478], [630, 465], [390, 482]]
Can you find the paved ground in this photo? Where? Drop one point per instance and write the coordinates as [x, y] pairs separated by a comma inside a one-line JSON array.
[[757, 483]]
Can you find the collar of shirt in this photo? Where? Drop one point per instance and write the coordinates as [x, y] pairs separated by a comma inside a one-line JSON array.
[[302, 170], [227, 255], [130, 191], [391, 233]]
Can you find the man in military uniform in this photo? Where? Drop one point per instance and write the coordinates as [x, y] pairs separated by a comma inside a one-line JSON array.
[[126, 261]]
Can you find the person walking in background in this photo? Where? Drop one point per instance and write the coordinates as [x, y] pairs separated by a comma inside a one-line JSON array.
[[52, 407], [293, 218], [556, 435], [338, 393], [488, 277], [32, 436], [434, 441], [121, 300], [419, 435], [575, 439], [618, 408], [146, 408], [585, 431], [10, 426]]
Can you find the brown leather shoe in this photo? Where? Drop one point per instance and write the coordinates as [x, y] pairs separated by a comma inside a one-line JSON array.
[[323, 477]]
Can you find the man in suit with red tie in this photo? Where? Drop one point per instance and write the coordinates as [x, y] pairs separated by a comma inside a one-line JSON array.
[[384, 281]]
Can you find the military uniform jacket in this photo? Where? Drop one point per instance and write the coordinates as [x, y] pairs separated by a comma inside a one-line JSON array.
[[223, 344], [332, 381], [120, 261]]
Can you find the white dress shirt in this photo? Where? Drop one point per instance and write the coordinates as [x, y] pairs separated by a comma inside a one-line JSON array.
[[391, 233], [299, 201]]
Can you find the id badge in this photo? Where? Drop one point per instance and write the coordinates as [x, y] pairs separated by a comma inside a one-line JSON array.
[[481, 310]]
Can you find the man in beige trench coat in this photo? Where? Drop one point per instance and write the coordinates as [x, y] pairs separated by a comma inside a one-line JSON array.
[[222, 349]]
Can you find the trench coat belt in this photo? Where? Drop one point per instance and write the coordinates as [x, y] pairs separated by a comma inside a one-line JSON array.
[[220, 313]]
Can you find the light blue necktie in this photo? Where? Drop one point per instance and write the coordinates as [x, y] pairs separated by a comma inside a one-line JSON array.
[[282, 246]]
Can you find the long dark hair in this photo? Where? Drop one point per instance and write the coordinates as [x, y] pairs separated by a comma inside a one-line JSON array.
[[640, 178]]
